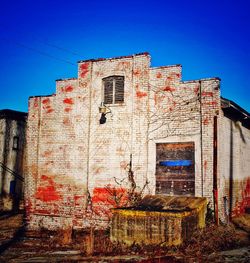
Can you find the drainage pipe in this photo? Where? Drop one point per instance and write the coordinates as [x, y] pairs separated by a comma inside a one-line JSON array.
[[201, 140], [215, 171]]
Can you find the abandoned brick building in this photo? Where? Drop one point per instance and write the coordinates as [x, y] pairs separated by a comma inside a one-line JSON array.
[[12, 148], [124, 126]]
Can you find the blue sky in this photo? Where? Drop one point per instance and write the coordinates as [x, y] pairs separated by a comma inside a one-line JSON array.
[[40, 39]]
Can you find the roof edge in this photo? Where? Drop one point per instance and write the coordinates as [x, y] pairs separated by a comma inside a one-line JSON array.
[[119, 57], [41, 96], [13, 114], [168, 66], [226, 103]]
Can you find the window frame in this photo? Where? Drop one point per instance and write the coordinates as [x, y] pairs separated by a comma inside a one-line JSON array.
[[115, 79]]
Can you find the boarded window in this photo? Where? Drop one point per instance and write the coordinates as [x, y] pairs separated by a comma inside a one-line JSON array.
[[113, 89], [175, 170]]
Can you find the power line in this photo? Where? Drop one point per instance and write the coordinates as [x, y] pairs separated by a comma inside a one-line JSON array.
[[38, 51], [57, 47], [46, 42]]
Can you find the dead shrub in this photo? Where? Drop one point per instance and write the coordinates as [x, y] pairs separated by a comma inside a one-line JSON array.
[[211, 239]]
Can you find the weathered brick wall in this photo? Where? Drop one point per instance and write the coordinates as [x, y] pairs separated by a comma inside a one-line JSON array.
[[111, 144], [179, 115], [234, 167], [74, 162], [77, 165], [56, 185]]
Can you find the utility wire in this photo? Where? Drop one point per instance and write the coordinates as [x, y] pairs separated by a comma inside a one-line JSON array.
[[57, 47], [38, 51], [46, 42]]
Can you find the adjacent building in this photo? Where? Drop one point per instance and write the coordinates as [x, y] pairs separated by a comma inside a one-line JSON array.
[[123, 129], [12, 149]]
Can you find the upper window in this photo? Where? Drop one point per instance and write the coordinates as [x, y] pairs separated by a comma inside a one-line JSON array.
[[15, 143], [113, 89]]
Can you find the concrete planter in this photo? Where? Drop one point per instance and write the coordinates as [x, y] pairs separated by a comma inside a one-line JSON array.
[[162, 220]]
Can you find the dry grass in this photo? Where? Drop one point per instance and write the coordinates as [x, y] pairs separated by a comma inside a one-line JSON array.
[[243, 222], [204, 242], [214, 239], [9, 226]]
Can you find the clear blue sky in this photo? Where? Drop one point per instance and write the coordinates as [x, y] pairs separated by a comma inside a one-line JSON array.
[[209, 38]]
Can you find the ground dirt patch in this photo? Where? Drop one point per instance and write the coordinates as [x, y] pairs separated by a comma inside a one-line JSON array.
[[94, 246]]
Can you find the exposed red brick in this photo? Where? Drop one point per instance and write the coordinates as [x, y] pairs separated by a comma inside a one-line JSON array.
[[84, 69], [66, 121], [206, 121], [47, 153], [212, 103], [46, 107], [68, 101], [178, 75], [140, 94], [47, 193], [49, 110], [68, 89], [170, 89], [35, 102], [67, 109], [45, 101], [207, 94], [108, 195], [137, 72], [196, 89], [158, 75]]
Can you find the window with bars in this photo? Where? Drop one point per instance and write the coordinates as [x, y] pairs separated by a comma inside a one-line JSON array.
[[113, 89]]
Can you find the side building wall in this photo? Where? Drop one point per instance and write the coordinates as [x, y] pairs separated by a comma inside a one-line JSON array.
[[234, 168]]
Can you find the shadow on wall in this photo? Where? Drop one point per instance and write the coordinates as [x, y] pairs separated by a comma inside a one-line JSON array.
[[239, 190]]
